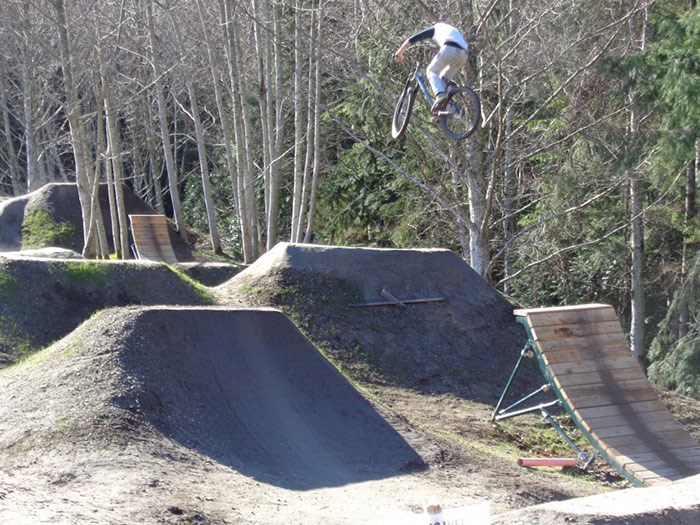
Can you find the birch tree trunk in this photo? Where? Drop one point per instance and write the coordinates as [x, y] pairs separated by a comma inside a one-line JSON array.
[[278, 133], [224, 117], [475, 176], [263, 50], [101, 149], [691, 245]]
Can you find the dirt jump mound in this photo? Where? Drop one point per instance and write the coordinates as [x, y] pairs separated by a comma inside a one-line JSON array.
[[242, 387], [246, 388], [44, 300], [421, 319]]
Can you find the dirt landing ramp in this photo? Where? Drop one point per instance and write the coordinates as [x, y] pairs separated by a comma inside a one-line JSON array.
[[247, 389], [459, 336]]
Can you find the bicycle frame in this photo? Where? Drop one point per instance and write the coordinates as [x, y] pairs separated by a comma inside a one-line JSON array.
[[423, 84], [458, 117]]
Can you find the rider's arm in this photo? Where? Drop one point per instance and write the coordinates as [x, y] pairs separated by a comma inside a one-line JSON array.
[[421, 35]]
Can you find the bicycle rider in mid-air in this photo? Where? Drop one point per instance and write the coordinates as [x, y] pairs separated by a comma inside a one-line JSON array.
[[450, 58]]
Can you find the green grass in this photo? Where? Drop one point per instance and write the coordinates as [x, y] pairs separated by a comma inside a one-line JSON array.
[[40, 230], [10, 339], [92, 273], [8, 284], [204, 294]]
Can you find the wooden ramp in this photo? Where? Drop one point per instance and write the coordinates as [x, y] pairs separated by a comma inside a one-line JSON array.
[[585, 356], [151, 238]]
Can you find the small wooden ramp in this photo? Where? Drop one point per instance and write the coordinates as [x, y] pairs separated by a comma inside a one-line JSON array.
[[585, 356], [151, 238]]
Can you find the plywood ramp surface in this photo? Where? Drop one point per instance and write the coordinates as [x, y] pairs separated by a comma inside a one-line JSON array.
[[151, 238], [585, 356]]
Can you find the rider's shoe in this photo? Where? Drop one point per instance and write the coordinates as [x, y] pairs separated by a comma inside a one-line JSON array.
[[439, 101]]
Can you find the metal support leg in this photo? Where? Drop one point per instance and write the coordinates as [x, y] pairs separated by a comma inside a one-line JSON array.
[[526, 352], [582, 457]]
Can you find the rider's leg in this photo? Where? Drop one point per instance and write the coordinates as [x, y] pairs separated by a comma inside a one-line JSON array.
[[433, 72], [455, 65], [443, 67]]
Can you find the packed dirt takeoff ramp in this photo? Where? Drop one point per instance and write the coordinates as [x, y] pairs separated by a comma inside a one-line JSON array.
[[246, 388], [583, 353]]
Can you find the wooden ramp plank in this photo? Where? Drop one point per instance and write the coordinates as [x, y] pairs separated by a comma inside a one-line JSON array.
[[585, 366], [151, 238], [585, 355]]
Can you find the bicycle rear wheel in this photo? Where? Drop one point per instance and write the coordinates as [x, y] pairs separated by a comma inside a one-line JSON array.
[[461, 114], [402, 113]]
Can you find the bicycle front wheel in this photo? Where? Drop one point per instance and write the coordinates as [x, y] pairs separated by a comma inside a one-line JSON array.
[[461, 114], [402, 113]]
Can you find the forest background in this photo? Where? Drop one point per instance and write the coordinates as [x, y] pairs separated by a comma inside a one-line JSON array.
[[259, 121]]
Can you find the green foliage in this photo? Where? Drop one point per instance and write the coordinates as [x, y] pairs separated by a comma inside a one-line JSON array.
[[39, 230], [675, 352], [195, 211], [361, 201], [670, 80], [590, 272]]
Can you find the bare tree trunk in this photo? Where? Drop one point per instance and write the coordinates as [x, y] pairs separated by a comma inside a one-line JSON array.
[[78, 136], [263, 50], [221, 109], [163, 123], [509, 194], [11, 154], [278, 132], [209, 204], [311, 106], [28, 88], [101, 152], [154, 160], [636, 192], [246, 180], [121, 234], [479, 188], [308, 235], [690, 246], [298, 176]]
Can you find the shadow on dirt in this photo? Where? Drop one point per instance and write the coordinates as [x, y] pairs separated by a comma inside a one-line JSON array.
[[248, 390]]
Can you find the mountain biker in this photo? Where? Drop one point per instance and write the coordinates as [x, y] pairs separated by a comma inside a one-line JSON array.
[[450, 58]]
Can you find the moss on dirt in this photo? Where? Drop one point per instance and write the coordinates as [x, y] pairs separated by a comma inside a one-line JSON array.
[[39, 230], [45, 300], [12, 341], [86, 273], [204, 294]]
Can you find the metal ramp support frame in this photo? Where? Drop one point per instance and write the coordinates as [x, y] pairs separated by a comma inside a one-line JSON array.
[[509, 412]]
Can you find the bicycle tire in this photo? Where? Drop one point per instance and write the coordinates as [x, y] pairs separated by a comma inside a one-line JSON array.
[[462, 113], [404, 107]]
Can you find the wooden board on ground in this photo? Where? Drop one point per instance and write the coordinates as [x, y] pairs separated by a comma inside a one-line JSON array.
[[584, 353]]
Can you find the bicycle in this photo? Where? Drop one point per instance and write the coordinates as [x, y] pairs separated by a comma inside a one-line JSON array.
[[458, 116]]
